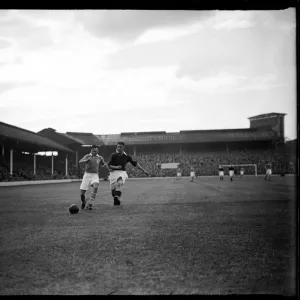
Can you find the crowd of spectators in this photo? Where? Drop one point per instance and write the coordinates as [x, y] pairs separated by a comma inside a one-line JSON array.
[[42, 173], [204, 162]]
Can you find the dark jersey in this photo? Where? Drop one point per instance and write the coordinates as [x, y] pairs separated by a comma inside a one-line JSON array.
[[231, 169], [118, 159], [221, 169]]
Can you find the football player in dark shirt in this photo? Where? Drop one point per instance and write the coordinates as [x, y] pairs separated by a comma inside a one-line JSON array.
[[231, 172], [118, 174], [221, 172]]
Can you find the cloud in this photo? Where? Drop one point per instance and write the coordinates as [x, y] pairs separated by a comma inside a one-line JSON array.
[[168, 33], [254, 52], [25, 33], [231, 20], [3, 13], [5, 43], [126, 88], [6, 86], [123, 25]]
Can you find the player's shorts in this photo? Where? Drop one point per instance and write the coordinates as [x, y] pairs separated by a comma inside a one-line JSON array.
[[221, 173], [88, 180], [114, 175], [269, 172], [242, 172], [192, 174], [178, 174], [231, 173]]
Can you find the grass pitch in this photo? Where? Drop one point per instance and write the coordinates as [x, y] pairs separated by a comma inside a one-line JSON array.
[[169, 236]]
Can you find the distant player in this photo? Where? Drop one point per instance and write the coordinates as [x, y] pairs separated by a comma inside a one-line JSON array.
[[268, 172], [241, 172], [178, 173], [118, 174], [192, 174], [92, 162], [231, 172], [221, 172]]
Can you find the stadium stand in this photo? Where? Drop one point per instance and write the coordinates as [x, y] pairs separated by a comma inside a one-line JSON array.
[[87, 138], [17, 156], [262, 143]]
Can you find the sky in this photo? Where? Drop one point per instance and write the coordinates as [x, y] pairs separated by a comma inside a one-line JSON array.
[[113, 71]]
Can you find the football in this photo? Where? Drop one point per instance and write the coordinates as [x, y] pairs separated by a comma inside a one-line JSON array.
[[74, 209]]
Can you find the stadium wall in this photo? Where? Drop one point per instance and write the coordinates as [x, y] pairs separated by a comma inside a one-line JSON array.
[[36, 182]]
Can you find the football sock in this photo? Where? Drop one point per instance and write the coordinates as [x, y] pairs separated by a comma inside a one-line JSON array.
[[113, 192], [118, 194], [82, 198], [93, 196]]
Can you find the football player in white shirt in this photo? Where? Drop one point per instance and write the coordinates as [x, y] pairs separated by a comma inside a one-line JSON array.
[[268, 172], [192, 174], [241, 172], [92, 162], [221, 172], [178, 173], [231, 172]]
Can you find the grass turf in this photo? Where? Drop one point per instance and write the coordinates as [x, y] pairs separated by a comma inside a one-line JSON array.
[[168, 236]]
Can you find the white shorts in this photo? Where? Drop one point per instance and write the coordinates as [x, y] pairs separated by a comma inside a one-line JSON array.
[[114, 175], [178, 174], [269, 172], [88, 180], [231, 173], [221, 173], [192, 174], [242, 172]]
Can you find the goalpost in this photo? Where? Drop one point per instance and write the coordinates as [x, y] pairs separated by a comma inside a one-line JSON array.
[[247, 165], [168, 167]]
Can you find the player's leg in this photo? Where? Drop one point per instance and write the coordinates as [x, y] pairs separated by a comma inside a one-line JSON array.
[[116, 190], [83, 188], [113, 184], [118, 193], [95, 186], [194, 176], [82, 198]]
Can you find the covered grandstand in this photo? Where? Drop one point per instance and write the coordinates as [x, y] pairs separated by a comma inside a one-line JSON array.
[[19, 147]]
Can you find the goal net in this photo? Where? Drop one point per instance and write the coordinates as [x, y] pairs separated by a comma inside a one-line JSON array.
[[168, 169], [249, 169]]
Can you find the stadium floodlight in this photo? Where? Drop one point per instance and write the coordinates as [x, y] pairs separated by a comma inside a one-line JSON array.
[[244, 165]]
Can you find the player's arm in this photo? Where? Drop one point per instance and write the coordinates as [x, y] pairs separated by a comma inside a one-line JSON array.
[[141, 168], [137, 165], [85, 159], [103, 163]]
